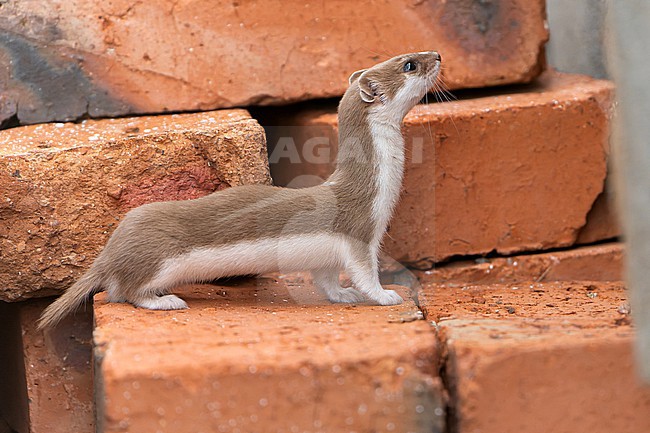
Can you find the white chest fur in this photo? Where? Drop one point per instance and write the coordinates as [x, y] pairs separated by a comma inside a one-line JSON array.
[[389, 154]]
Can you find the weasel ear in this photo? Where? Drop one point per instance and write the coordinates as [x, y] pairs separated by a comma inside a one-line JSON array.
[[366, 89], [355, 75]]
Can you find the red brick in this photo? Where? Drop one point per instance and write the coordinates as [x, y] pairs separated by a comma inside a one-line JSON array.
[[593, 263], [58, 371], [539, 357], [516, 171], [602, 221], [266, 355], [61, 60], [64, 187]]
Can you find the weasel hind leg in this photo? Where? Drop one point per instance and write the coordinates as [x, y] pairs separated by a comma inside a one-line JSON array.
[[164, 302], [328, 281]]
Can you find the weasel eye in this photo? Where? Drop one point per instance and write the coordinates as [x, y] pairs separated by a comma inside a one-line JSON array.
[[410, 66]]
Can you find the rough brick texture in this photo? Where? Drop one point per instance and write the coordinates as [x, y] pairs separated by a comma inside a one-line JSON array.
[[266, 355], [539, 357], [489, 173], [64, 187], [593, 263], [64, 59]]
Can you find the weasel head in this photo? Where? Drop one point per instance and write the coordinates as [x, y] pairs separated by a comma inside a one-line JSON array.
[[390, 89]]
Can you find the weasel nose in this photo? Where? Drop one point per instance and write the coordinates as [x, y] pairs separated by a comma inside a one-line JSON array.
[[438, 57]]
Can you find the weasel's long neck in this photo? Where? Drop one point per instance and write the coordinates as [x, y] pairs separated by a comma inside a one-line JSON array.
[[388, 144], [370, 167]]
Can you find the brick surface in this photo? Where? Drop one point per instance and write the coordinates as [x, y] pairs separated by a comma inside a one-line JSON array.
[[488, 173], [602, 220], [594, 263], [539, 357], [64, 187], [64, 59], [58, 371], [266, 355]]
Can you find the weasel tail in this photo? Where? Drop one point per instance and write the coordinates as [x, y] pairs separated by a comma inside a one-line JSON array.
[[73, 298]]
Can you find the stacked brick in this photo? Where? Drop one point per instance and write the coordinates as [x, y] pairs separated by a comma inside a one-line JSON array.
[[64, 187], [529, 357], [267, 355], [67, 59], [510, 170]]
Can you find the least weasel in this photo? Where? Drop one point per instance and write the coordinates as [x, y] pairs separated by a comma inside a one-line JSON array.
[[258, 229]]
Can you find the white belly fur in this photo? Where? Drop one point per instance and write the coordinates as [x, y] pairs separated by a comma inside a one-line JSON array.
[[285, 254]]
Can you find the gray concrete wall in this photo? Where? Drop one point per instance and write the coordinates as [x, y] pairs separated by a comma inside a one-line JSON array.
[[577, 36], [627, 52], [611, 38]]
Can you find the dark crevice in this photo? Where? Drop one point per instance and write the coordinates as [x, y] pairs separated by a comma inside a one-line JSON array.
[[451, 419], [14, 411], [448, 388], [601, 214], [14, 121], [428, 264], [10, 122]]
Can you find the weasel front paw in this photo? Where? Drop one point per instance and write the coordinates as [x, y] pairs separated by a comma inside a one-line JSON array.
[[389, 297], [347, 296]]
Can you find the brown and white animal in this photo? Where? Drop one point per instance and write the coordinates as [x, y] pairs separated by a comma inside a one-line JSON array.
[[259, 229]]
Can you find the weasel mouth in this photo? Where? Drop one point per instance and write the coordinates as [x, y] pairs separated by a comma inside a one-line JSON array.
[[432, 76], [431, 82], [437, 86]]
